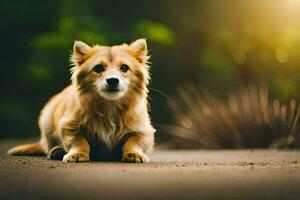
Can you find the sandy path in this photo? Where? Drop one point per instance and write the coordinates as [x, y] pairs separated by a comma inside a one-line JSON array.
[[246, 174]]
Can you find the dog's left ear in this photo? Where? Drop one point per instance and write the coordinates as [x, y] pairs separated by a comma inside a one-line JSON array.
[[80, 50], [139, 47]]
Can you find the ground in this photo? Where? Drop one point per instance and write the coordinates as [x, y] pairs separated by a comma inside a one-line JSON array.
[[201, 174]]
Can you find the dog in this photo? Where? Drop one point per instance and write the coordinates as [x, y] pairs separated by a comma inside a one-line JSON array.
[[104, 111]]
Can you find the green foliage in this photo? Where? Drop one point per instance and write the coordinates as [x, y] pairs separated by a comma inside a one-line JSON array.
[[156, 32], [39, 73], [218, 64]]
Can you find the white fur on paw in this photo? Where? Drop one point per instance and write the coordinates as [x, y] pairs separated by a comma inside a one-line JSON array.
[[135, 157], [76, 157]]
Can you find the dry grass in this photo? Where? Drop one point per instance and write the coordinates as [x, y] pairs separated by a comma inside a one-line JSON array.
[[247, 119]]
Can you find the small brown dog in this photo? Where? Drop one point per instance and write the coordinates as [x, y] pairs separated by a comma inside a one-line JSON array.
[[103, 111]]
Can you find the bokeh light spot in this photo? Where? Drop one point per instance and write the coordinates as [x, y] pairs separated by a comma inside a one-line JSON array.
[[281, 55]]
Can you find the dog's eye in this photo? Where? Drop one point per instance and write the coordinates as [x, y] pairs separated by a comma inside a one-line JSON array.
[[124, 68], [99, 68]]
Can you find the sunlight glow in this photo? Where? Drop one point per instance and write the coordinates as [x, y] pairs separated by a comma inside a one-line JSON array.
[[292, 3]]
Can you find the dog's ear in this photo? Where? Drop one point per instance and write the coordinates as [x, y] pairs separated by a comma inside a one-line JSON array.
[[80, 50], [139, 47]]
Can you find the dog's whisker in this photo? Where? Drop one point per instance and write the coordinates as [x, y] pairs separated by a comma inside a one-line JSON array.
[[160, 92]]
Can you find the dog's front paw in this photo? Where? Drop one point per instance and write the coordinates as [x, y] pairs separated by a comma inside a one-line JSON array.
[[135, 157], [76, 157]]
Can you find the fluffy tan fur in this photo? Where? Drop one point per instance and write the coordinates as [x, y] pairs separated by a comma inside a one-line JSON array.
[[79, 115]]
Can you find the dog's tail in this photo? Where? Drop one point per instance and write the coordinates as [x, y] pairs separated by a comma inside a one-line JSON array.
[[34, 149]]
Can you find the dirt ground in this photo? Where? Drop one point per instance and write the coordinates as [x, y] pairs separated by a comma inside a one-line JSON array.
[[226, 174]]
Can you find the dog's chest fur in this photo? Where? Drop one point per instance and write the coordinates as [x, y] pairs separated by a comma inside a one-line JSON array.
[[104, 123], [106, 130], [107, 134]]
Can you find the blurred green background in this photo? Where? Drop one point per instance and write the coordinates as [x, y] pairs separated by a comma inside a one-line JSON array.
[[220, 45]]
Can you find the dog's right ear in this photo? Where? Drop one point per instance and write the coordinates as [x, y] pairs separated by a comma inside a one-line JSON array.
[[80, 51]]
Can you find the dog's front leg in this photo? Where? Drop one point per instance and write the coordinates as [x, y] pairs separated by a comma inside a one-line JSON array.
[[79, 150], [75, 144], [134, 148]]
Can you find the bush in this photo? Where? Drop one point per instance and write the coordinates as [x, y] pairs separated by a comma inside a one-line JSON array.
[[246, 119]]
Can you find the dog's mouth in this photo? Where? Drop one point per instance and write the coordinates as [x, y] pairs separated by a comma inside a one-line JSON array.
[[112, 94], [112, 90]]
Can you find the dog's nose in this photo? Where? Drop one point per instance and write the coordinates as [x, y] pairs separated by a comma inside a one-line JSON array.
[[112, 82]]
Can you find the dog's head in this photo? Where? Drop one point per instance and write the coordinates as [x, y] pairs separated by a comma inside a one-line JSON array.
[[111, 72]]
